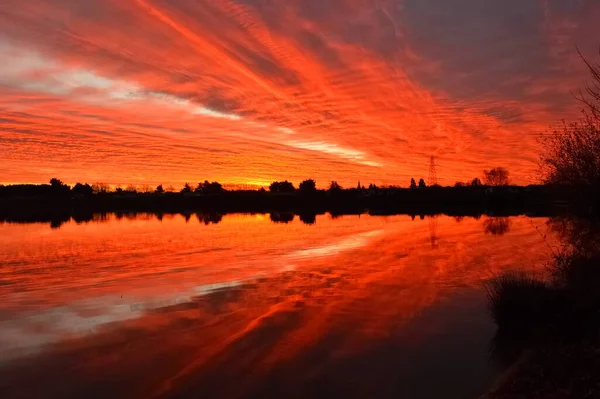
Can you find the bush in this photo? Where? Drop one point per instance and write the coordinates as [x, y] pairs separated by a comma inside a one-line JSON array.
[[520, 302]]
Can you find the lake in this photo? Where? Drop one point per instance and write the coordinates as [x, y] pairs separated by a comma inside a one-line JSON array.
[[255, 305]]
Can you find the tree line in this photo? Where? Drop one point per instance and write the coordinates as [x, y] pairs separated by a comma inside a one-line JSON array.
[[493, 177]]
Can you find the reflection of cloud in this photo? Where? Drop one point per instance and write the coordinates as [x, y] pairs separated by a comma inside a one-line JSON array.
[[32, 331], [35, 329], [353, 242]]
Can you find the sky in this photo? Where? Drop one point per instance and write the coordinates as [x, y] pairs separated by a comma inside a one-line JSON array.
[[252, 91]]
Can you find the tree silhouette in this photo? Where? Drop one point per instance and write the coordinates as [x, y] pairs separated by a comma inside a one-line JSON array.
[[571, 154], [413, 183], [159, 189], [82, 190], [334, 186], [57, 187], [100, 188], [476, 182], [496, 177], [186, 189], [282, 187], [144, 188], [209, 188], [55, 183], [308, 185], [422, 183]]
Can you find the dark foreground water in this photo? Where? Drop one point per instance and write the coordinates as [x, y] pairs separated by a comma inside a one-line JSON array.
[[353, 306]]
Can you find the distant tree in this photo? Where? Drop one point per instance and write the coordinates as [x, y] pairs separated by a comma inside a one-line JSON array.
[[373, 186], [200, 187], [159, 189], [54, 182], [57, 187], [186, 189], [119, 190], [413, 183], [100, 188], [476, 182], [282, 187], [334, 186], [209, 188], [459, 184], [131, 189], [145, 188], [496, 177], [82, 190], [422, 183], [261, 190], [170, 189], [308, 185]]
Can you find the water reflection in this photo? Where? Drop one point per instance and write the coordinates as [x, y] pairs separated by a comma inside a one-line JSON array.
[[281, 217], [356, 305], [496, 225]]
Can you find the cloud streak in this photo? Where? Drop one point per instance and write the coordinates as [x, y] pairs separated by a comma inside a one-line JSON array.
[[152, 91]]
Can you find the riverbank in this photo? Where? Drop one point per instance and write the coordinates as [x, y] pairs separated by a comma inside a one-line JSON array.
[[551, 327], [559, 371]]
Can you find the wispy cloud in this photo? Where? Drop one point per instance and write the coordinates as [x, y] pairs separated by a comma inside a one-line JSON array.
[[158, 91]]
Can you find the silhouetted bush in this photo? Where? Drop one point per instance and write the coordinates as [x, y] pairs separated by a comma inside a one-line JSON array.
[[186, 189], [308, 186], [476, 182], [282, 187], [209, 188], [334, 187], [82, 190], [520, 302]]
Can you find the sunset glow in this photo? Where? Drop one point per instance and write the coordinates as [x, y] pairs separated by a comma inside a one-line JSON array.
[[251, 91]]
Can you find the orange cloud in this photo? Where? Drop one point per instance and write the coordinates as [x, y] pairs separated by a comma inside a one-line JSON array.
[[149, 91]]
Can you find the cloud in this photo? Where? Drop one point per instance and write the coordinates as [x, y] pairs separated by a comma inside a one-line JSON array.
[[254, 90]]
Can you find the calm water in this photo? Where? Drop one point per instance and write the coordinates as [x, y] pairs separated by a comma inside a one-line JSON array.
[[356, 306]]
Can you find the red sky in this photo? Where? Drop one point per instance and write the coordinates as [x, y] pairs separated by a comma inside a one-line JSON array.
[[250, 91]]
